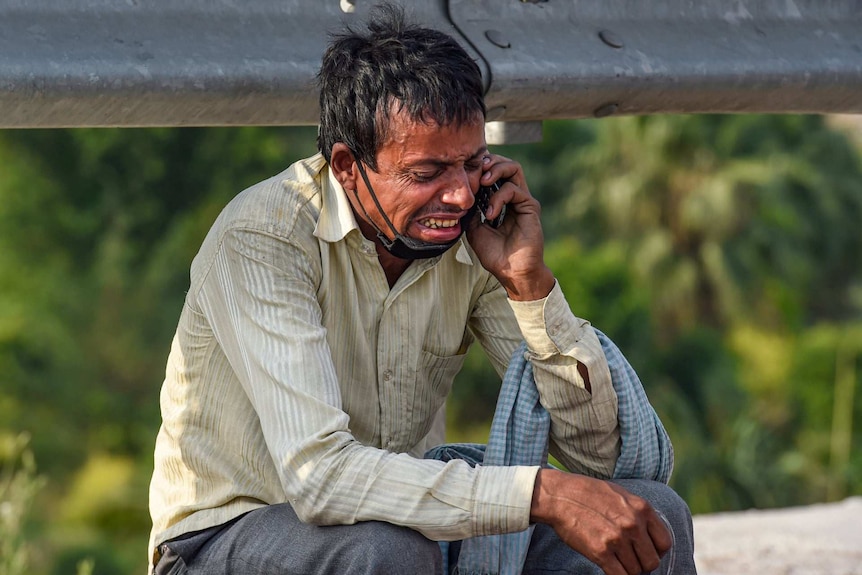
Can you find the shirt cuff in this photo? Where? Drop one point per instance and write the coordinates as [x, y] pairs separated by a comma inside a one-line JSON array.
[[504, 496], [548, 325]]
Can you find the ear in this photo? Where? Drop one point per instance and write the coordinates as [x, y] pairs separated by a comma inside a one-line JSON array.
[[343, 166]]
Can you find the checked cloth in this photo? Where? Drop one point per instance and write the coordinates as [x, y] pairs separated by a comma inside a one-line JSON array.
[[519, 436]]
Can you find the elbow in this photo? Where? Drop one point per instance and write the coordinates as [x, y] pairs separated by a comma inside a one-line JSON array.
[[309, 514], [311, 502], [316, 489]]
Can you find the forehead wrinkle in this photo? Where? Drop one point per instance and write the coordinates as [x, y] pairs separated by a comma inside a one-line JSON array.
[[444, 162]]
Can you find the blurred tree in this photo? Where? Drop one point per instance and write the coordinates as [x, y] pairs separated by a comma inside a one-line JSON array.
[[737, 232], [19, 485], [724, 215], [720, 252], [97, 231]]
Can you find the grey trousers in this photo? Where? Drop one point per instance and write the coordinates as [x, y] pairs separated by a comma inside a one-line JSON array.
[[273, 541]]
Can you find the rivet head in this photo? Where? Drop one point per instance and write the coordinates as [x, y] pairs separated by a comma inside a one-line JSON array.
[[497, 39], [610, 39], [606, 110]]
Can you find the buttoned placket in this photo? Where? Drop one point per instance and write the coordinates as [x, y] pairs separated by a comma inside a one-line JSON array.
[[396, 378]]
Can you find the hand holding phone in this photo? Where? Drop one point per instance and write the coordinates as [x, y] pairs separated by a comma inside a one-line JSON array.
[[515, 257], [483, 199]]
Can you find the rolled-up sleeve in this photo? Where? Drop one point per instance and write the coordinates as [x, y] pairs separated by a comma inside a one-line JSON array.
[[584, 426]]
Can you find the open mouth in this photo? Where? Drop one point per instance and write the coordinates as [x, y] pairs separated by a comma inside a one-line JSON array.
[[438, 223]]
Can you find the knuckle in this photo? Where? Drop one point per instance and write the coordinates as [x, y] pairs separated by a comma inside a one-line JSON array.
[[629, 524], [639, 504], [612, 542]]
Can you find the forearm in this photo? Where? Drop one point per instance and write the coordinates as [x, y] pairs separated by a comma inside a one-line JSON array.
[[563, 349], [444, 501]]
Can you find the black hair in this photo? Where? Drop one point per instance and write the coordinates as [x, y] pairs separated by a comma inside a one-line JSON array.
[[421, 70]]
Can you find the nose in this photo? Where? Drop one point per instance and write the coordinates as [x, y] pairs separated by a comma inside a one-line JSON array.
[[459, 192]]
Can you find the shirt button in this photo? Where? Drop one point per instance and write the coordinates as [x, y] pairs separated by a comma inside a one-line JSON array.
[[387, 375], [368, 250]]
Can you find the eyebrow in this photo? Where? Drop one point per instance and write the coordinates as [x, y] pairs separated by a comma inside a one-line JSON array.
[[444, 163]]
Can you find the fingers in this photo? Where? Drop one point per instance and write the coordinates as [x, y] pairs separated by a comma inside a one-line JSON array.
[[512, 252], [513, 186], [616, 529], [645, 556], [648, 536], [649, 541], [496, 168], [660, 532], [615, 567], [630, 552]]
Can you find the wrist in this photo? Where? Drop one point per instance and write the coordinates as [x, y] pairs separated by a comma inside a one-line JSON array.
[[531, 286], [542, 506]]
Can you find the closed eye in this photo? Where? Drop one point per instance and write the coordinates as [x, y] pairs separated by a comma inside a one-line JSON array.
[[425, 176]]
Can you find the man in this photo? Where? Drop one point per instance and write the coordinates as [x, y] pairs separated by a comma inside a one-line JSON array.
[[330, 308]]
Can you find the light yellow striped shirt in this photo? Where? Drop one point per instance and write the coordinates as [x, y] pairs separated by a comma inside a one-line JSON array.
[[297, 375]]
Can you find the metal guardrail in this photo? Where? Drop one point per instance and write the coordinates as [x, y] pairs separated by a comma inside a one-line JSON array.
[[71, 63], [576, 59]]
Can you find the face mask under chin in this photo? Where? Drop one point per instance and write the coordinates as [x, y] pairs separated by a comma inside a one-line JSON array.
[[410, 249], [402, 246]]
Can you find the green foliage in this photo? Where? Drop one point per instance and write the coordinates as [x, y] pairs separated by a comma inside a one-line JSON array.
[[721, 253], [19, 485], [85, 566], [733, 236], [97, 231]]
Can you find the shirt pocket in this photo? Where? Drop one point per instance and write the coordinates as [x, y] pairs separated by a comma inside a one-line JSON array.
[[437, 373]]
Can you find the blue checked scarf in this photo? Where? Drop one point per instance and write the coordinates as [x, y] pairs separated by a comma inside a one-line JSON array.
[[519, 436]]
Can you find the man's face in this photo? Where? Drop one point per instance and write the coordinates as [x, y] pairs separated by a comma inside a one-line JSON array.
[[425, 179]]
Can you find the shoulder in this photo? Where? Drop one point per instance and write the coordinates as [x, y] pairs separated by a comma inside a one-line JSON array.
[[283, 205], [284, 208]]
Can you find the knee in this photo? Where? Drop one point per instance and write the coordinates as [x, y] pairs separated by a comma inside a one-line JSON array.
[[400, 550], [673, 507], [663, 499]]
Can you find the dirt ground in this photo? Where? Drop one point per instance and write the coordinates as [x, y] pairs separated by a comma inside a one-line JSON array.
[[816, 540]]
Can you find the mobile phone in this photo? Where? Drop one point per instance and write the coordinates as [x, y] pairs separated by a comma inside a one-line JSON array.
[[483, 197]]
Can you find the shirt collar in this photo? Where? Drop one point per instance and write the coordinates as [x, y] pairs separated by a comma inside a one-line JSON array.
[[337, 220], [336, 217]]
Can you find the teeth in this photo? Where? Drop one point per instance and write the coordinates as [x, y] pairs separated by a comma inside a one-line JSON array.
[[435, 223]]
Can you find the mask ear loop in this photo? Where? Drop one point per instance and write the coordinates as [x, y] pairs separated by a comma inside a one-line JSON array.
[[402, 246], [380, 233]]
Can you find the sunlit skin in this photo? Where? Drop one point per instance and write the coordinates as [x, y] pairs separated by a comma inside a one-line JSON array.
[[425, 181], [425, 178]]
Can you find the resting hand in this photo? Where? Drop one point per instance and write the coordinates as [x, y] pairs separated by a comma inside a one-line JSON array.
[[615, 529]]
